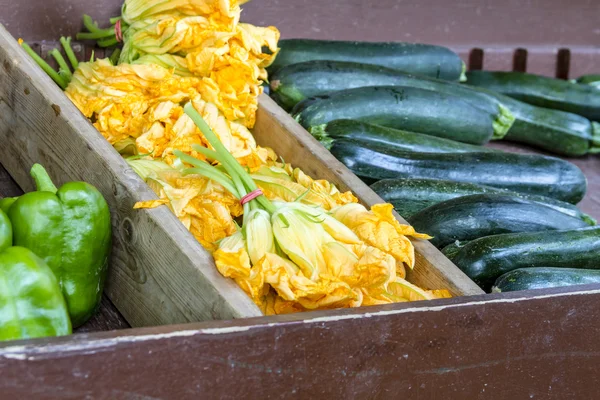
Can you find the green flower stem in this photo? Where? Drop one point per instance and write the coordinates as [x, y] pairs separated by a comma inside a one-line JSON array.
[[94, 31], [108, 42], [62, 64], [114, 20], [114, 57], [44, 65], [214, 175], [229, 162], [66, 43]]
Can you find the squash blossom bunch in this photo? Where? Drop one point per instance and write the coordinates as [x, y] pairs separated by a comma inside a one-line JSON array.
[[297, 255]]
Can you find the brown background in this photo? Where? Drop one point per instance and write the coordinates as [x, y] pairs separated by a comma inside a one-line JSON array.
[[541, 26]]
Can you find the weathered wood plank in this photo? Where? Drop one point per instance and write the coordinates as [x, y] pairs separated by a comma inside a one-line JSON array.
[[159, 273], [276, 129], [536, 345]]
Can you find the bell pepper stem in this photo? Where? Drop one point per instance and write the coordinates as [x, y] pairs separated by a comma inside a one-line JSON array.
[[43, 182]]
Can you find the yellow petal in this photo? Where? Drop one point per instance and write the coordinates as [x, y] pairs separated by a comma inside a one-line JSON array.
[[150, 203]]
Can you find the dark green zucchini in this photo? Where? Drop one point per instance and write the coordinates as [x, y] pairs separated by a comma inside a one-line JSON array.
[[453, 248], [475, 216], [531, 174], [409, 196], [591, 79], [411, 109], [485, 259], [394, 138], [555, 131], [424, 59], [544, 278], [297, 82], [541, 91]]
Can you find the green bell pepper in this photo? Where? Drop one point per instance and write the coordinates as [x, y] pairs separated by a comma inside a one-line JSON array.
[[5, 231], [69, 228], [6, 202], [31, 301]]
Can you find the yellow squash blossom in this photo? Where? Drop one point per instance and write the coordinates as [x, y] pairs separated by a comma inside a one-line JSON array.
[[379, 228]]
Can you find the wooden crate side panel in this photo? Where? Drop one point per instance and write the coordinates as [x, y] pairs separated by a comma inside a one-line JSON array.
[[515, 346], [159, 273], [298, 147]]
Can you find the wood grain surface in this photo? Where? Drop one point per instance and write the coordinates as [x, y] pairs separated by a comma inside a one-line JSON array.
[[536, 345]]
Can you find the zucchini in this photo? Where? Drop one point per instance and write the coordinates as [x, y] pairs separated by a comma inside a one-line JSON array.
[[409, 196], [475, 216], [453, 248], [425, 59], [592, 80], [559, 132], [394, 138], [555, 131], [530, 174], [485, 259], [412, 109], [544, 278], [541, 91], [294, 83]]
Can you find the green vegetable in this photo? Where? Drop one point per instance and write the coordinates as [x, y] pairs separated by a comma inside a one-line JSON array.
[[6, 236], [366, 134], [592, 80], [6, 202], [487, 258], [453, 248], [556, 131], [541, 91], [297, 82], [530, 174], [70, 229], [409, 196], [412, 109], [435, 61], [544, 278], [31, 302], [475, 216]]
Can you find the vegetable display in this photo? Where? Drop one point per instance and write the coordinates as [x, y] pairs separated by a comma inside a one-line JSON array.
[[391, 127], [435, 61], [202, 160]]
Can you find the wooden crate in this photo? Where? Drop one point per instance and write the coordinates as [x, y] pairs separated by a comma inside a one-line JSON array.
[[159, 274], [538, 344]]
